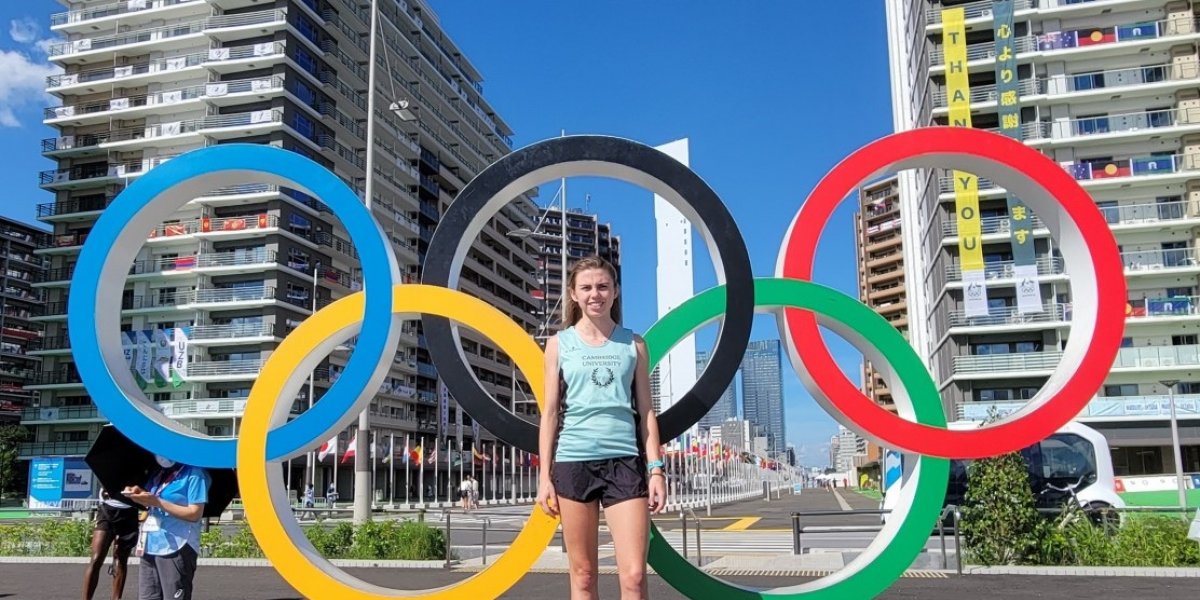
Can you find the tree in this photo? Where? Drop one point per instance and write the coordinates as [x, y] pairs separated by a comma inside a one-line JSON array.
[[11, 436]]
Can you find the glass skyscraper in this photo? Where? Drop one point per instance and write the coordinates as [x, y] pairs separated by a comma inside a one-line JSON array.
[[762, 391]]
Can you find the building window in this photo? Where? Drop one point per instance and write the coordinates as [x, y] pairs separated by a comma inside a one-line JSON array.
[[1121, 389], [1091, 124], [1089, 81]]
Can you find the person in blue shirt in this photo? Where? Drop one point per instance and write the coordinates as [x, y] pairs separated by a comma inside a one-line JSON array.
[[169, 543], [599, 442]]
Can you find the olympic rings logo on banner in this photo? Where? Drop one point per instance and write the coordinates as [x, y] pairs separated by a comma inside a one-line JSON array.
[[268, 437]]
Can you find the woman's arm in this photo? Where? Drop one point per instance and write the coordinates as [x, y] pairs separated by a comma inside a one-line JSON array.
[[645, 405], [549, 430]]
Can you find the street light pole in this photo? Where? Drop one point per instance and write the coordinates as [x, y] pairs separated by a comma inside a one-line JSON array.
[[1171, 383], [362, 468]]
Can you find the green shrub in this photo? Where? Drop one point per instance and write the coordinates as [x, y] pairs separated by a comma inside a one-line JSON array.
[[62, 537], [392, 540], [378, 540], [331, 542], [1000, 522]]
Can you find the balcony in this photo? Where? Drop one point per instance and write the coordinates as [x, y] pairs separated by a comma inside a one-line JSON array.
[[988, 225], [203, 408], [1051, 313], [1156, 260], [1003, 269], [973, 10], [1158, 357], [94, 174], [219, 369], [54, 276], [61, 414], [165, 134], [1146, 79], [191, 299], [105, 46], [59, 344], [29, 450], [1106, 127], [223, 27], [258, 258], [219, 226], [76, 209], [220, 93], [225, 332], [1101, 408], [129, 12], [61, 378], [164, 70], [1022, 362], [1108, 39], [1163, 308]]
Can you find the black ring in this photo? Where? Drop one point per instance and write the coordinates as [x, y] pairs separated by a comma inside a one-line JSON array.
[[588, 155]]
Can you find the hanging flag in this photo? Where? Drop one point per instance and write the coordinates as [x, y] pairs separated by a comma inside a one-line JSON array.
[[407, 458], [966, 185], [350, 448], [329, 447], [179, 356], [1008, 107]]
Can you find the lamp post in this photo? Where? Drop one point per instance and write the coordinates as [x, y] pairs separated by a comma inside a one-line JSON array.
[[1175, 448]]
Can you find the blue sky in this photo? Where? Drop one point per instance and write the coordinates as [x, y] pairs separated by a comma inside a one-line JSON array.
[[771, 95]]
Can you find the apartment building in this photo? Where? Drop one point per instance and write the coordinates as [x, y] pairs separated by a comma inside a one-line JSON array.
[[586, 236], [1110, 90], [241, 266], [881, 283], [20, 306]]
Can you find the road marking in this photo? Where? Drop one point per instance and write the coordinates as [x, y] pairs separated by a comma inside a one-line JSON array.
[[841, 500], [742, 524]]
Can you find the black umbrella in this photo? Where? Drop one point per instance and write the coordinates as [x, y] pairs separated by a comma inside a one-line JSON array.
[[118, 463]]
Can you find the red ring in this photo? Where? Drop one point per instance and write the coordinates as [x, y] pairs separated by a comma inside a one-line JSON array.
[[1005, 436]]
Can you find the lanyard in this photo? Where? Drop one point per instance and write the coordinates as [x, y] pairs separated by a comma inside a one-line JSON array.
[[159, 487]]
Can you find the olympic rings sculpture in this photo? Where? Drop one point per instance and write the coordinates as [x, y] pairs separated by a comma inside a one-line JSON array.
[[267, 437]]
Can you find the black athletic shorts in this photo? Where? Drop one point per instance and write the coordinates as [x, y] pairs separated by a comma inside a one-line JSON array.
[[610, 480], [121, 522]]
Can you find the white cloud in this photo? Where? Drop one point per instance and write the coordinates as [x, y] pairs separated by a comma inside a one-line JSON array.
[[23, 83], [23, 30]]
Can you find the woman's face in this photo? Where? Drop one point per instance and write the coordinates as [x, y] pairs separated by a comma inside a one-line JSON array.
[[594, 291]]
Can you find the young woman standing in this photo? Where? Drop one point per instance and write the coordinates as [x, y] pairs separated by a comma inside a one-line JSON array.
[[599, 440]]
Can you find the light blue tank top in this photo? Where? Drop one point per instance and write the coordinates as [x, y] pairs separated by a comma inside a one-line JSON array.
[[598, 419]]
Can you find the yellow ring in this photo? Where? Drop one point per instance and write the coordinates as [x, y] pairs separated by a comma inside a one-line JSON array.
[[261, 483]]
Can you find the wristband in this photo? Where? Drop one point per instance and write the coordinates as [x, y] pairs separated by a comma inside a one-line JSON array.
[[654, 464]]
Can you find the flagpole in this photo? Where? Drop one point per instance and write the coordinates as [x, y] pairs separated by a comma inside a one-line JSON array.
[[407, 464], [374, 471], [421, 472], [336, 445], [391, 468]]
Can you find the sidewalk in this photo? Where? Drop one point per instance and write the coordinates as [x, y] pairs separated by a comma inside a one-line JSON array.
[[55, 582]]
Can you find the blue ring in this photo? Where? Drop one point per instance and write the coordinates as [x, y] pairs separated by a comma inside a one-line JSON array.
[[377, 263]]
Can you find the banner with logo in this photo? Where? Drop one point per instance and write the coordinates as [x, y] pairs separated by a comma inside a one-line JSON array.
[[1008, 107], [157, 357], [966, 185]]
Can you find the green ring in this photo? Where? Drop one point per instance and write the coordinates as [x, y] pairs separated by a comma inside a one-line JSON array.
[[863, 577]]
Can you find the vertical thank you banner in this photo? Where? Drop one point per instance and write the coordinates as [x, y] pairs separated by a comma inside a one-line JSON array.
[[1008, 107], [966, 185]]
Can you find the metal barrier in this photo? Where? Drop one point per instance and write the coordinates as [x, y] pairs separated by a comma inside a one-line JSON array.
[[798, 530], [683, 518]]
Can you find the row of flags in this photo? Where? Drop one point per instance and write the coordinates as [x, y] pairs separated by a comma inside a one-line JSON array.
[[411, 454]]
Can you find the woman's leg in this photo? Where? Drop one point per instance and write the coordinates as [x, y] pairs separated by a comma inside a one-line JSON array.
[[101, 540], [580, 524], [629, 522]]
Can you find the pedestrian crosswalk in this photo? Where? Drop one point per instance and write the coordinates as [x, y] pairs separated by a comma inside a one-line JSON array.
[[730, 542]]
